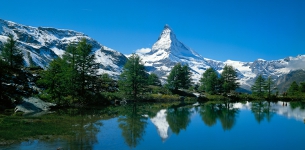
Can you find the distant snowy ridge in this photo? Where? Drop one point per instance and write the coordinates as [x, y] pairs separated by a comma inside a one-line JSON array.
[[168, 50], [45, 43]]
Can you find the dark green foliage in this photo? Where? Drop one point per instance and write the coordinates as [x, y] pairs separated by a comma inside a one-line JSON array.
[[261, 111], [224, 112], [229, 79], [179, 77], [55, 79], [270, 86], [133, 125], [209, 81], [11, 54], [11, 61], [302, 87], [293, 89], [259, 86], [4, 77], [133, 79], [178, 118], [74, 75], [153, 79]]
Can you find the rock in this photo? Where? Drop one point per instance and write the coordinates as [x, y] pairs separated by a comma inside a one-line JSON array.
[[33, 105]]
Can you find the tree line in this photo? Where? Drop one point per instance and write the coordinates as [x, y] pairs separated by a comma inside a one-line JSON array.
[[74, 78]]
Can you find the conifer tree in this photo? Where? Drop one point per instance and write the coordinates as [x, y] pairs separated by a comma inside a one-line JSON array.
[[153, 79], [11, 54], [270, 86], [54, 80], [73, 75], [179, 77], [293, 89], [209, 81], [85, 66], [229, 79], [4, 73], [259, 86], [133, 78]]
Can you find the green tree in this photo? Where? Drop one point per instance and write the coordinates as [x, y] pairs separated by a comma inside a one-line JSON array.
[[133, 79], [86, 68], [229, 79], [153, 79], [4, 74], [270, 86], [259, 86], [293, 89], [54, 80], [71, 70], [12, 54], [302, 87], [73, 75], [209, 81], [179, 77]]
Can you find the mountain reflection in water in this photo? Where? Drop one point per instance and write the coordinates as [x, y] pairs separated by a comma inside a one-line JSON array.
[[142, 126], [175, 119]]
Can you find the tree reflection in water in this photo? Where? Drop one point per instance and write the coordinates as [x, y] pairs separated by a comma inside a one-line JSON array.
[[178, 118], [85, 130], [133, 125], [222, 111], [261, 111]]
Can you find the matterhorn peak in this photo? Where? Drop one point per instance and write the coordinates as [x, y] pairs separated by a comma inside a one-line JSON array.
[[167, 34]]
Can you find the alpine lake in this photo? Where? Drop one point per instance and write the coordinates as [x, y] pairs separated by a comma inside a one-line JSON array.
[[150, 126]]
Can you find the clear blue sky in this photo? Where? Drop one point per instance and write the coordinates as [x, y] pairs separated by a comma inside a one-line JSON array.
[[218, 29]]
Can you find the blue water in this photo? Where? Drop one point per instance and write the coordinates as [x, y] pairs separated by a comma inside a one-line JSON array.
[[233, 127]]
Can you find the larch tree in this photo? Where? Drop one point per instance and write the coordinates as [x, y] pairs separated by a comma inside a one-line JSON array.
[[153, 79], [270, 86], [229, 79], [209, 81], [179, 77], [259, 86], [11, 54], [134, 77]]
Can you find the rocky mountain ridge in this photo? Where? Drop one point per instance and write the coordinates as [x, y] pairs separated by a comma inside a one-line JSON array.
[[168, 50], [43, 44]]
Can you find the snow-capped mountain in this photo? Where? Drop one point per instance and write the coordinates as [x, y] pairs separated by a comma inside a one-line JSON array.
[[168, 51], [44, 44]]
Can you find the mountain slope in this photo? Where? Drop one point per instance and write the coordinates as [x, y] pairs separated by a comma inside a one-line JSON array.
[[285, 81], [168, 50], [44, 44]]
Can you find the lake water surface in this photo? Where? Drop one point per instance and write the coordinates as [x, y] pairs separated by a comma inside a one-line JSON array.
[[256, 125]]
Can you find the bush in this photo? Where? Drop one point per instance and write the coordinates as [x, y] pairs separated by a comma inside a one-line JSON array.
[[163, 98]]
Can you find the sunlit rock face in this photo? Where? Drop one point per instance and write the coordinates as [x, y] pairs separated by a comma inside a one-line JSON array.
[[161, 124]]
